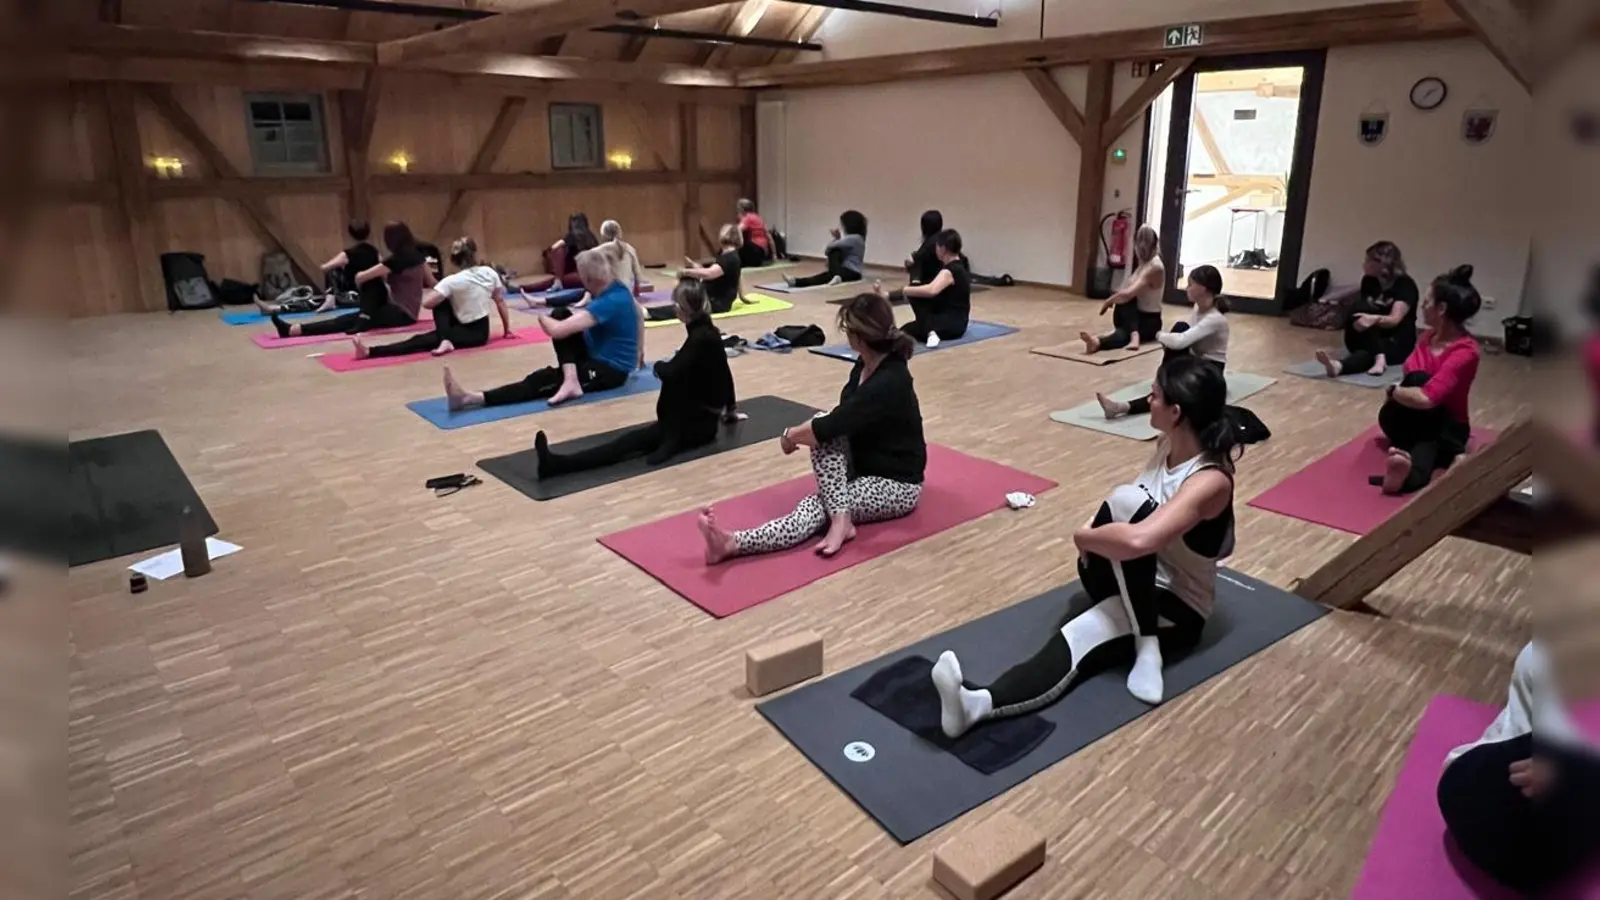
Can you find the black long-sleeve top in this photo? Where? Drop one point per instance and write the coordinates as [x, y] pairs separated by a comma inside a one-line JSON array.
[[925, 263], [883, 422], [696, 383]]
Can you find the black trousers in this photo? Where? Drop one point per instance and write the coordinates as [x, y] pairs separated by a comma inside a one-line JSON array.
[[1050, 673], [445, 328], [1429, 436], [1141, 405], [947, 326], [1528, 845], [656, 442], [385, 316], [571, 350], [752, 255], [1363, 348], [1127, 321], [836, 269]]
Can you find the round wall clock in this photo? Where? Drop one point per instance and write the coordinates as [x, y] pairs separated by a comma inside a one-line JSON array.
[[1428, 93]]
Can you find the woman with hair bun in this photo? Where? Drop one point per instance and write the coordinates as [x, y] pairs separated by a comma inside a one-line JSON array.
[[1426, 417], [868, 454], [1148, 560], [473, 291]]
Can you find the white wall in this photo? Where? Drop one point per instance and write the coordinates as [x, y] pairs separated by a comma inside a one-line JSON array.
[[1567, 183], [1444, 202]]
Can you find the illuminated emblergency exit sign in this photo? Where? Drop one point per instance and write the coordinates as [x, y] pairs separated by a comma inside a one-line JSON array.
[[1180, 36]]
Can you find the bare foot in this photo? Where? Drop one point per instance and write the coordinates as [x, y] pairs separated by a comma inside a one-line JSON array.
[[329, 303], [1091, 344], [443, 348], [1379, 367], [1328, 364], [361, 350], [1395, 471], [841, 531], [570, 390], [1112, 408], [1133, 345], [455, 395], [719, 544]]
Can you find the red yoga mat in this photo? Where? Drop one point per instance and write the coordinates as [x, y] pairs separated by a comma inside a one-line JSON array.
[[347, 362], [270, 341], [1411, 857], [958, 488], [1333, 491]]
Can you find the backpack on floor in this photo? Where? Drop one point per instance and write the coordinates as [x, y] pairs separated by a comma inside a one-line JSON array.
[[1309, 291], [234, 293], [277, 275], [801, 335], [1247, 426], [780, 245], [1328, 312], [188, 287]]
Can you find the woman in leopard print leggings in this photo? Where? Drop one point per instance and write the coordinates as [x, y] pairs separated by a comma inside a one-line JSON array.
[[868, 454]]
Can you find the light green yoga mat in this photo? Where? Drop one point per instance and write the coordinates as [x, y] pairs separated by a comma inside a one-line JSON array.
[[1090, 416], [673, 271], [760, 303]]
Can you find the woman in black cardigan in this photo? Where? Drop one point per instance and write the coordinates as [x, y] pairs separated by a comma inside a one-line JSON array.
[[697, 395]]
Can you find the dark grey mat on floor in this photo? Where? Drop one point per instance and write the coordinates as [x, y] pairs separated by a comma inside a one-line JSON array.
[[912, 786], [126, 494], [769, 416], [976, 289]]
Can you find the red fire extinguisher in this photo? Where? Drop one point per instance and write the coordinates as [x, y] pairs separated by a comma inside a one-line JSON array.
[[1117, 247]]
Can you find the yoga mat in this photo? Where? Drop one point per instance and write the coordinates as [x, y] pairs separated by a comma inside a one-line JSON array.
[[1333, 491], [976, 331], [437, 411], [959, 488], [1316, 372], [912, 786], [346, 361], [1412, 856], [759, 303], [563, 297], [768, 417], [1074, 351], [1241, 385], [784, 287], [126, 494], [269, 340], [253, 316], [839, 301], [674, 272]]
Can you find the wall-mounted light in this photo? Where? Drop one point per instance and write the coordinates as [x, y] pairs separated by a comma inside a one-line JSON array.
[[166, 166], [620, 159], [401, 161]]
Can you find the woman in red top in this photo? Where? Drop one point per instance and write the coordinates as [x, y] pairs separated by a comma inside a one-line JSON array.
[[756, 250], [1426, 416]]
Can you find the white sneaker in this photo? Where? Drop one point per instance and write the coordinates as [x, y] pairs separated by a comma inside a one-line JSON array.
[[933, 340], [836, 281]]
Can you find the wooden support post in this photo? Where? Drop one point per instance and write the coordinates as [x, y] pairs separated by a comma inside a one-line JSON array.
[[359, 115], [1505, 31], [488, 153], [127, 150], [749, 155], [1091, 175], [689, 152], [1066, 112]]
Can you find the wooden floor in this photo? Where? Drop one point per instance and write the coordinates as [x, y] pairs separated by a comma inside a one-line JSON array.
[[392, 695]]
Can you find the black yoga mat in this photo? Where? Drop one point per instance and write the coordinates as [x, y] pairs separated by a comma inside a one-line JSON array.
[[912, 786], [126, 494], [976, 289], [768, 417]]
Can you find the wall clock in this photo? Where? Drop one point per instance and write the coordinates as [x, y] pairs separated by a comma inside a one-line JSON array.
[[1429, 93]]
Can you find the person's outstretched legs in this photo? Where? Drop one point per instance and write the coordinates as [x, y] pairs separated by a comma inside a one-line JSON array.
[[830, 464], [634, 442]]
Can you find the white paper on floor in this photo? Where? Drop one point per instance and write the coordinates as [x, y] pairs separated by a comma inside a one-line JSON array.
[[165, 565]]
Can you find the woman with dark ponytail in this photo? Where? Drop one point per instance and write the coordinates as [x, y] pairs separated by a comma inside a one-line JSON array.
[[1148, 561], [868, 454], [1426, 417]]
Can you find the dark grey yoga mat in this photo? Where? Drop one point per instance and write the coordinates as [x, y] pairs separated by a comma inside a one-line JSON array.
[[768, 417], [912, 787], [976, 289], [126, 494]]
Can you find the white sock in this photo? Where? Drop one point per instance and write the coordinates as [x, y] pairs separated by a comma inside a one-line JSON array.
[[959, 708], [933, 340], [1145, 681]]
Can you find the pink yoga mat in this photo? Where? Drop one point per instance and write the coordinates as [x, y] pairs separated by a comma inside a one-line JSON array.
[[270, 341], [346, 361], [1411, 858], [1333, 491], [958, 488]]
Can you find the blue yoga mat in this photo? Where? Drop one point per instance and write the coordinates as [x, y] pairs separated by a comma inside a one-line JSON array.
[[254, 316], [437, 411], [564, 297], [976, 331]]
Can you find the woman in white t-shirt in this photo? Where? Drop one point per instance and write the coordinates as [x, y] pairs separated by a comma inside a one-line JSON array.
[[1137, 307], [472, 291]]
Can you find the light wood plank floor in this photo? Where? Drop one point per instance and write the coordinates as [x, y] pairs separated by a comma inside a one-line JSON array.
[[392, 695]]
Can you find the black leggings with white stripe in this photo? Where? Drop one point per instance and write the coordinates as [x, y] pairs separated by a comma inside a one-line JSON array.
[[445, 328]]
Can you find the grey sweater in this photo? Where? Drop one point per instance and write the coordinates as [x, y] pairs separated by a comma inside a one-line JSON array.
[[854, 248]]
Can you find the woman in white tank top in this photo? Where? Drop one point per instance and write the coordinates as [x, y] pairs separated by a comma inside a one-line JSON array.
[[1147, 562], [1137, 307]]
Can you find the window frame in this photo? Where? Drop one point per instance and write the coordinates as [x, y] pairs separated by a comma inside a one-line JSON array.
[[317, 123], [596, 114]]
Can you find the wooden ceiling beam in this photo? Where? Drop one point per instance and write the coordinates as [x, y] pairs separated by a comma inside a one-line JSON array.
[[1066, 112], [1505, 31], [804, 29], [744, 20], [525, 25], [1140, 100]]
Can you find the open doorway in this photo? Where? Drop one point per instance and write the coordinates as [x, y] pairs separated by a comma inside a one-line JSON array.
[[1230, 160]]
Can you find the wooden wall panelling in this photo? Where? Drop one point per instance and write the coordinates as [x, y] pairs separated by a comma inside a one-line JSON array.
[[721, 145], [689, 141], [484, 161], [121, 103]]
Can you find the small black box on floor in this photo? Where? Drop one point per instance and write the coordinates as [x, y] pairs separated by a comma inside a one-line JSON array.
[[1519, 335]]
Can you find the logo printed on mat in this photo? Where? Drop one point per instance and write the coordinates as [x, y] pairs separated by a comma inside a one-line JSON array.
[[859, 751]]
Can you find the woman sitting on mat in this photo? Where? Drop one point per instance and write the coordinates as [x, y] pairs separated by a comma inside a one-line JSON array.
[[339, 274], [755, 247], [1425, 417], [1204, 336], [1136, 309], [1383, 323], [624, 259], [596, 347], [868, 455], [721, 278], [407, 274], [463, 322], [846, 253], [1148, 561], [577, 239], [923, 264], [1520, 802], [943, 304], [696, 397]]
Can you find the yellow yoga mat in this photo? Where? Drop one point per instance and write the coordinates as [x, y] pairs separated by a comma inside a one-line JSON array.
[[759, 303]]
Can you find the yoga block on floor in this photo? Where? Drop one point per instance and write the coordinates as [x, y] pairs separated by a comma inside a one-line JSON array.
[[778, 664], [989, 860]]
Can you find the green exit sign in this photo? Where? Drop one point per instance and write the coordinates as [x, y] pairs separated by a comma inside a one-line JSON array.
[[1181, 36]]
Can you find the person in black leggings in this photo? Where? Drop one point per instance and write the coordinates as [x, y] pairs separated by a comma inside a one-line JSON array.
[[1204, 336], [697, 395], [1382, 330], [461, 306], [847, 253], [1136, 309], [942, 305], [407, 272]]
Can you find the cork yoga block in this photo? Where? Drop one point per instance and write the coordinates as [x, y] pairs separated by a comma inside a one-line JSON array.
[[780, 663], [989, 860]]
